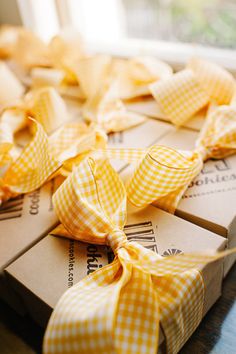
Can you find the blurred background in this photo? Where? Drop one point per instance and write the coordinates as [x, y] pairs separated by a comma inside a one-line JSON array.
[[211, 22], [172, 30]]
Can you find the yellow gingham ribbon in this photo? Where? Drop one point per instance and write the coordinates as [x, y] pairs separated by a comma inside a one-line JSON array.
[[102, 80], [34, 165], [25, 168], [72, 142], [118, 309], [48, 108], [189, 90], [44, 157], [163, 174]]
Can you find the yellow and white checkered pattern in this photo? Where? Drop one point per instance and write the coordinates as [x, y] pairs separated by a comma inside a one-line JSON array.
[[163, 174], [43, 156], [180, 96], [49, 109], [189, 90], [118, 309], [218, 83], [75, 139], [34, 165]]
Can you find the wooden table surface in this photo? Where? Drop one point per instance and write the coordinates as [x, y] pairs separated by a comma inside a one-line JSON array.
[[215, 335]]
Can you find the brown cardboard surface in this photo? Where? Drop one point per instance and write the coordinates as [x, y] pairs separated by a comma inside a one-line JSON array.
[[142, 136], [24, 220], [63, 262], [210, 199], [149, 107]]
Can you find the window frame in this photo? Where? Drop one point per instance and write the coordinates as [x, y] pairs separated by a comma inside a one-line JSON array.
[[174, 53]]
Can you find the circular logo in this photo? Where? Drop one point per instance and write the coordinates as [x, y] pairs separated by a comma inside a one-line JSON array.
[[171, 252]]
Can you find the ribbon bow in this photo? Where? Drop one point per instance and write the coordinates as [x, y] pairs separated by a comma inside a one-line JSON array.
[[163, 174], [68, 143], [189, 90], [43, 157], [118, 308]]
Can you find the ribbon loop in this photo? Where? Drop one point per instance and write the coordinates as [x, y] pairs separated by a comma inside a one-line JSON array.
[[186, 92], [91, 202], [166, 178], [218, 82], [34, 166], [180, 96]]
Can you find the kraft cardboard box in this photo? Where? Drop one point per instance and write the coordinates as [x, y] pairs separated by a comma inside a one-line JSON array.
[[149, 107], [210, 199], [64, 262], [24, 220], [141, 136]]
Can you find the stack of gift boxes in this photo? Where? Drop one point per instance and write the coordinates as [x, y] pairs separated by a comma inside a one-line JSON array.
[[37, 266]]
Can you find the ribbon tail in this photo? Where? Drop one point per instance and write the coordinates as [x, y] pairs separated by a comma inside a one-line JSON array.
[[180, 295], [181, 301], [113, 310], [138, 318], [180, 263], [83, 320]]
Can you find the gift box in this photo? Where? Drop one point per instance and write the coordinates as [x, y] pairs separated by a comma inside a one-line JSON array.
[[150, 107], [63, 262], [210, 199], [24, 221]]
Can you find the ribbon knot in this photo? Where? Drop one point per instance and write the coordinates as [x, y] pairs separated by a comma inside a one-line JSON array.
[[116, 239]]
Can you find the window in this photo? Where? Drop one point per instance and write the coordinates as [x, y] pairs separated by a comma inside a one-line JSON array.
[[211, 22], [173, 30]]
